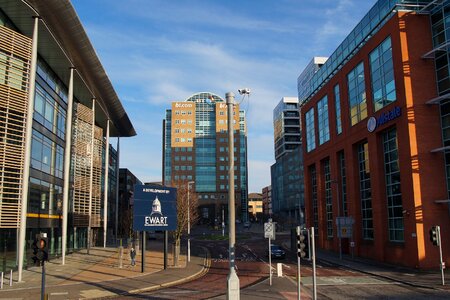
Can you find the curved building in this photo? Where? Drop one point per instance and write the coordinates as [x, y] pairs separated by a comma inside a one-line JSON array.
[[58, 109], [195, 149]]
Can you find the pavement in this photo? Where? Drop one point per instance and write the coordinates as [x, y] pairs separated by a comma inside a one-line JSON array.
[[429, 279], [100, 274]]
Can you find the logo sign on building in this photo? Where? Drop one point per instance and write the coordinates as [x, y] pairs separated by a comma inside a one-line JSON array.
[[373, 123], [155, 208]]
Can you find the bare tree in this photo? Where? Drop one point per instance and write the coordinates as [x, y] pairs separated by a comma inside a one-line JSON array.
[[182, 213]]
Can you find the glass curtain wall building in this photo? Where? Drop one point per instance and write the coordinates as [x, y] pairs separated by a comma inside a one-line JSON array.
[[49, 68], [195, 146], [287, 172], [380, 156]]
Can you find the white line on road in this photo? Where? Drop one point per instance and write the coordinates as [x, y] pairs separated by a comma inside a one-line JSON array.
[[59, 293]]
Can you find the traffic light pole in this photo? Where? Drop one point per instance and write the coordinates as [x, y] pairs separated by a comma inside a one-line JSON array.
[[43, 281]]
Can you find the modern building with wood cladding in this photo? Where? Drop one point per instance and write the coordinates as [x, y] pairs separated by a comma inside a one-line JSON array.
[[58, 109], [376, 137], [195, 148]]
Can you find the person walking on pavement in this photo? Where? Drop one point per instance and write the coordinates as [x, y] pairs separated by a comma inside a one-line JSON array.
[[133, 256]]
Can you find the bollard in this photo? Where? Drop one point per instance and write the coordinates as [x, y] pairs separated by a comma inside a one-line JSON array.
[[10, 278], [120, 257], [1, 281]]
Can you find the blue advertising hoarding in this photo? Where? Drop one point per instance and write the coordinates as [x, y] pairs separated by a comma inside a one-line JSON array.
[[155, 208]]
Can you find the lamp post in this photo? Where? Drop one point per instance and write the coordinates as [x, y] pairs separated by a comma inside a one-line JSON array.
[[189, 221], [232, 280]]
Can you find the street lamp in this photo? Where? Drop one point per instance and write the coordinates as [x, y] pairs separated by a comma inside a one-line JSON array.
[[232, 280], [189, 221]]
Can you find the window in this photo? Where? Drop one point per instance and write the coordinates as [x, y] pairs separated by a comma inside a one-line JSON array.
[[46, 155], [365, 191], [49, 113], [393, 188], [357, 94], [310, 131], [322, 117], [343, 191], [313, 174], [328, 197], [382, 75], [337, 103]]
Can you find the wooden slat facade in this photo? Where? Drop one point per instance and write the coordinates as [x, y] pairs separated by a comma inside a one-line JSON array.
[[15, 56], [81, 166]]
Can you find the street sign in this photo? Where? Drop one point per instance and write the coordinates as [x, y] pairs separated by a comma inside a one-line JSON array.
[[269, 230], [345, 227], [155, 208]]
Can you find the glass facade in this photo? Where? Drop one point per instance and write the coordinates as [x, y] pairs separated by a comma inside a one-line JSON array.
[[365, 191], [382, 75], [440, 29], [337, 104], [310, 131], [368, 26], [205, 169], [393, 187], [323, 120], [288, 187], [357, 94], [328, 197]]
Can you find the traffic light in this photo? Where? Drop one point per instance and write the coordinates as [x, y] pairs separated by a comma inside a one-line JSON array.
[[42, 247], [434, 235], [35, 252], [301, 243]]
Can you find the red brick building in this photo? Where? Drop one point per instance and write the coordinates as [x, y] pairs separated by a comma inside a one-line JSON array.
[[371, 148]]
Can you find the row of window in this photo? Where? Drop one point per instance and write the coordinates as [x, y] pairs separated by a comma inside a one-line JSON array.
[[183, 177], [183, 112], [183, 140], [183, 121], [383, 94], [183, 130], [392, 182]]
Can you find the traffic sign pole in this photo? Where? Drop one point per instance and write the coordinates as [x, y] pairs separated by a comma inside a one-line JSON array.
[[298, 268], [438, 229]]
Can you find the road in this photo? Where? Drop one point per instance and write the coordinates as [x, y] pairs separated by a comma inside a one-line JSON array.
[[333, 281]]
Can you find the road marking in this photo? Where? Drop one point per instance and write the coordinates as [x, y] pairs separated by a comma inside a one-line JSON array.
[[59, 293]]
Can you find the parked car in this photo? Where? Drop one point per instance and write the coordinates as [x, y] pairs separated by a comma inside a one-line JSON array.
[[247, 224], [277, 251]]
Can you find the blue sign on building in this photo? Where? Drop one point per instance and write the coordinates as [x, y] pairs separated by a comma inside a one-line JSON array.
[[155, 208]]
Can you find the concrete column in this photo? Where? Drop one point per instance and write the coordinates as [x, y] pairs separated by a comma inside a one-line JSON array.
[[89, 234], [67, 158], [117, 189], [105, 206], [27, 154]]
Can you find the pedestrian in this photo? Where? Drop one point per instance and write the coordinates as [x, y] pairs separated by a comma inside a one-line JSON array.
[[133, 256]]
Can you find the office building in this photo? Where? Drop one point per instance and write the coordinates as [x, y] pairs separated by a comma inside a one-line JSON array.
[[375, 140], [287, 171], [255, 207], [127, 181], [58, 110], [195, 148], [267, 201]]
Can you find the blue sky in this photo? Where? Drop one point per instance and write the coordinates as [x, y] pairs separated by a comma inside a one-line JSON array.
[[157, 51]]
